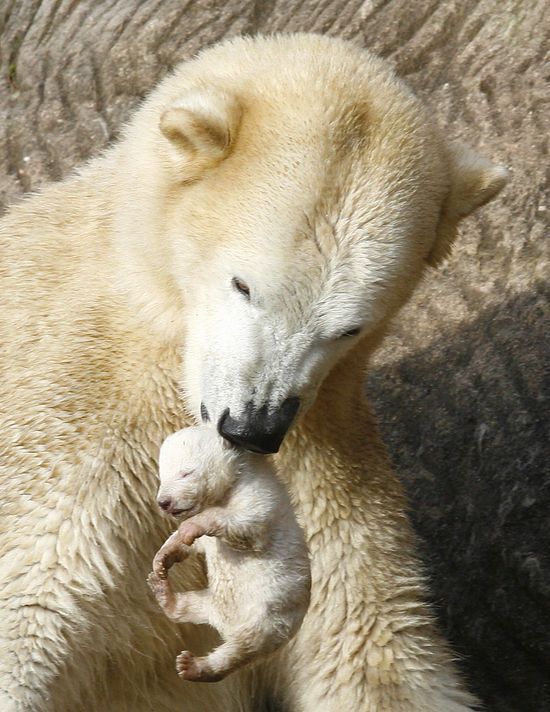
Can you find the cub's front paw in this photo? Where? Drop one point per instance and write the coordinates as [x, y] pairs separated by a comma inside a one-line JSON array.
[[171, 553], [159, 568], [157, 584], [163, 592], [189, 531]]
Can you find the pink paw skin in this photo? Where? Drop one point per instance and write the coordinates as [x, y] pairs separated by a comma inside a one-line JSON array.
[[189, 531], [167, 557], [190, 668]]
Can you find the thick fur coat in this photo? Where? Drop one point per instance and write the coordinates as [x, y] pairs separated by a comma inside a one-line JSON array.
[[302, 167]]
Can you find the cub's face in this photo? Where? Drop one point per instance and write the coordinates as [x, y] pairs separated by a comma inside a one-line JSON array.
[[195, 471]]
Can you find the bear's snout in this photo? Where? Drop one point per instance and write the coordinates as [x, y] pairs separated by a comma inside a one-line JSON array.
[[259, 429]]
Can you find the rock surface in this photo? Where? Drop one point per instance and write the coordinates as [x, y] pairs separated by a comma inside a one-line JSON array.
[[459, 384]]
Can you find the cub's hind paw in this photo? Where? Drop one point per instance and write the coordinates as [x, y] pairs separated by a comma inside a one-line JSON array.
[[195, 669], [186, 666]]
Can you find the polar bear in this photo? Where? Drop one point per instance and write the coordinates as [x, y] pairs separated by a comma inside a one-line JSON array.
[[239, 516], [235, 258]]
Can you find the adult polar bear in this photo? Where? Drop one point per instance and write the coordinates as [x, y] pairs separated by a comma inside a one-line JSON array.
[[270, 207]]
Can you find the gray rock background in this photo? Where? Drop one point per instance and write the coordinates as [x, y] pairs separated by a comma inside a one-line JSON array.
[[459, 384]]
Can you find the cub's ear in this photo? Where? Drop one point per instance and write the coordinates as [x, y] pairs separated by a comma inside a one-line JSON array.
[[474, 181], [201, 128]]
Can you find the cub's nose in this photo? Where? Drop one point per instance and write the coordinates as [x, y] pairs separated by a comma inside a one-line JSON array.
[[164, 503], [167, 503], [258, 429]]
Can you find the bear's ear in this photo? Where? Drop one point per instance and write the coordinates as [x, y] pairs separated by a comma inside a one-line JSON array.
[[474, 181], [201, 127]]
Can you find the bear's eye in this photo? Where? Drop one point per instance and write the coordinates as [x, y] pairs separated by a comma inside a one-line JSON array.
[[350, 332], [185, 473], [241, 287]]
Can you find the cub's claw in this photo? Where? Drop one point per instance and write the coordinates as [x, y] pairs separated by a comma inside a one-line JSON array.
[[168, 555], [196, 669], [159, 568], [186, 666]]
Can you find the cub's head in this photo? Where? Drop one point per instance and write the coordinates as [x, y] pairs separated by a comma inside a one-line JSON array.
[[300, 190], [196, 470]]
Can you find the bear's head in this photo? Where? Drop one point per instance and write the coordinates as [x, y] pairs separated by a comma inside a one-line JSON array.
[[290, 194]]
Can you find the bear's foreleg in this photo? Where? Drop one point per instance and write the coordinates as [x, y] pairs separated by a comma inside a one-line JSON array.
[[368, 642]]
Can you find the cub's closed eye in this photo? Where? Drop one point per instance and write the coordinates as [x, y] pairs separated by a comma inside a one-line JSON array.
[[241, 287], [185, 473], [350, 332]]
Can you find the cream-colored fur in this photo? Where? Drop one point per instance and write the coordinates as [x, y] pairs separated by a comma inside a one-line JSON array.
[[238, 515], [301, 166]]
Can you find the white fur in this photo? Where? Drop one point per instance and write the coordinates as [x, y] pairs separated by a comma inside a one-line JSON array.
[[239, 515], [329, 191]]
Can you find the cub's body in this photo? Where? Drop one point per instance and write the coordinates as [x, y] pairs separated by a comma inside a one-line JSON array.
[[239, 516]]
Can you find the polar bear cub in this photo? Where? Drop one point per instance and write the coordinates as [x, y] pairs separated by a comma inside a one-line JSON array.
[[240, 517]]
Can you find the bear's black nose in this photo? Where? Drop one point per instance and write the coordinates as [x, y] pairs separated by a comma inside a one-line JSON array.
[[258, 429]]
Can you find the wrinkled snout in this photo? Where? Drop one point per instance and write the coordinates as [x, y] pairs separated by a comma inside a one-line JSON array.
[[258, 429]]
